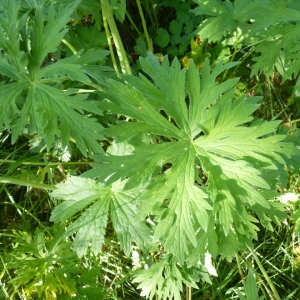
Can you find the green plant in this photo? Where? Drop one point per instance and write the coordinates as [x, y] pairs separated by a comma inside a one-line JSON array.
[[175, 31], [251, 290], [33, 98], [185, 159], [48, 268], [187, 172], [266, 29]]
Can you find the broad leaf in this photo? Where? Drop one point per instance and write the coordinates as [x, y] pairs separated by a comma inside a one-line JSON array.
[[97, 200], [201, 160]]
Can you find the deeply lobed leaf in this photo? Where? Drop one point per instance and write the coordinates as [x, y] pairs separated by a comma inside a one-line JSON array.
[[33, 98], [201, 161], [99, 202]]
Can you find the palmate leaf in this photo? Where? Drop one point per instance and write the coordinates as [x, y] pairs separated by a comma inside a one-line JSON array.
[[273, 30], [202, 162], [225, 17], [285, 51], [97, 201], [34, 97]]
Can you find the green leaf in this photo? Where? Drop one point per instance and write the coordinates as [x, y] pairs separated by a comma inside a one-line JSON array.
[[242, 18], [87, 37], [188, 158], [78, 194], [163, 38], [171, 287], [48, 37], [175, 27], [187, 200], [97, 200], [48, 107], [34, 97], [225, 18], [284, 56], [271, 26], [126, 224], [119, 8], [201, 163], [43, 264], [183, 17], [251, 289]]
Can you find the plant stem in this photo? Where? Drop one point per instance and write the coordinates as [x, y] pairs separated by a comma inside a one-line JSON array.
[[271, 98], [112, 54], [149, 4], [264, 288], [48, 170], [292, 122], [107, 13], [12, 200], [26, 183], [188, 292], [69, 46], [4, 291], [133, 24], [10, 161], [271, 285], [144, 26], [240, 269]]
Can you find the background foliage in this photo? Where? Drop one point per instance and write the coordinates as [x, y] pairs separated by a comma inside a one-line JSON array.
[[168, 177]]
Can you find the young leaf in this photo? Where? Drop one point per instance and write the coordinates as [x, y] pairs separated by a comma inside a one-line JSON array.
[[42, 264], [251, 289], [163, 280]]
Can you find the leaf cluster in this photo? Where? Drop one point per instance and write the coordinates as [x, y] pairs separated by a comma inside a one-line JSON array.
[[175, 31], [47, 267], [33, 99], [268, 28]]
